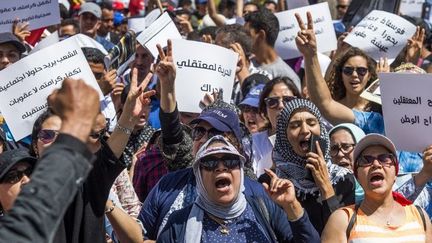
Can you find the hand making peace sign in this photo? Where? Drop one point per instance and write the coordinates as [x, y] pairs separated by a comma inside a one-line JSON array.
[[306, 40]]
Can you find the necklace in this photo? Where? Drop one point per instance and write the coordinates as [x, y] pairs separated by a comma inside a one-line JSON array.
[[224, 229]]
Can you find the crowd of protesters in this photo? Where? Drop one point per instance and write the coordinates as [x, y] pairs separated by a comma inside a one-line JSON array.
[[298, 155]]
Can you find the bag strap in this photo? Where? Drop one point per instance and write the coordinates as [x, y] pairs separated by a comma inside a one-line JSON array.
[[420, 211], [352, 220]]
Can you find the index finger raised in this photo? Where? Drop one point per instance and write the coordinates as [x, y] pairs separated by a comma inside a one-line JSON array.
[[270, 173], [300, 21], [310, 21]]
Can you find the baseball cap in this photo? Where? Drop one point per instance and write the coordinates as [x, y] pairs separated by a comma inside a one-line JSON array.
[[224, 120], [11, 157], [227, 148], [252, 98], [8, 37], [374, 139], [92, 8]]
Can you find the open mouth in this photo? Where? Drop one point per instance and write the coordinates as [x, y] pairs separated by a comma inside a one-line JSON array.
[[223, 184], [376, 179], [304, 144]]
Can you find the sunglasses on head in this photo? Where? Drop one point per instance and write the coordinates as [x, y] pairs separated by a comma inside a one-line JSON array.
[[15, 176], [211, 162], [361, 71], [47, 135], [98, 135], [198, 132], [273, 102], [386, 160]]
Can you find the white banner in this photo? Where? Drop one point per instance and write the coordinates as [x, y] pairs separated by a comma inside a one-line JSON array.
[[412, 8], [26, 84], [407, 109], [288, 28], [381, 34], [198, 74], [158, 33], [39, 13]]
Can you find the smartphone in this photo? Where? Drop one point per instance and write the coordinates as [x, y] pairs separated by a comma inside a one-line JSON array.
[[312, 144]]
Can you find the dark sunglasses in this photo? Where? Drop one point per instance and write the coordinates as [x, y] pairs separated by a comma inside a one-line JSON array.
[[346, 148], [361, 71], [248, 109], [15, 176], [198, 133], [386, 160], [47, 135], [98, 135], [273, 102], [211, 162]]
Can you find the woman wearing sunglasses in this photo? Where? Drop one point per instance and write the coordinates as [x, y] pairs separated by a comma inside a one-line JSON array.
[[383, 214], [223, 213], [321, 186], [16, 167], [274, 95]]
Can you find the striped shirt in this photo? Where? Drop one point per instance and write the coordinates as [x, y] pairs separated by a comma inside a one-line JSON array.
[[364, 230]]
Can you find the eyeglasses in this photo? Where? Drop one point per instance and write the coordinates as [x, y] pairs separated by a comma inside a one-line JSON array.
[[273, 102], [361, 71], [198, 133], [15, 176], [386, 160], [98, 135], [47, 135], [346, 148], [211, 162]]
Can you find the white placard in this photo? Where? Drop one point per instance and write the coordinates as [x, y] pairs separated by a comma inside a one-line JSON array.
[[288, 28], [158, 33], [407, 109], [412, 8], [39, 13], [152, 16], [198, 74], [381, 34], [85, 41], [26, 84], [292, 4], [47, 41], [137, 24]]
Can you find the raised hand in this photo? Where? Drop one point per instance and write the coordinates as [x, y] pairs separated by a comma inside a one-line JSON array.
[[165, 69], [20, 30], [242, 63], [306, 40], [415, 45], [281, 191], [383, 65], [318, 166], [108, 82]]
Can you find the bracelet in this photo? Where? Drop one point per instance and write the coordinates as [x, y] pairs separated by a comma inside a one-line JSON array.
[[109, 210], [128, 131]]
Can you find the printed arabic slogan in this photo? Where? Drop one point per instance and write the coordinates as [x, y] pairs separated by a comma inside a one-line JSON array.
[[202, 68], [25, 85], [288, 29], [381, 34], [407, 109], [38, 13]]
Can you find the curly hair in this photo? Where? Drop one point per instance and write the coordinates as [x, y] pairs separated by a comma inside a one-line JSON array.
[[335, 82]]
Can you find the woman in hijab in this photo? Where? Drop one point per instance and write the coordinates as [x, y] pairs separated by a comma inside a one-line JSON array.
[[330, 186], [223, 213], [383, 214]]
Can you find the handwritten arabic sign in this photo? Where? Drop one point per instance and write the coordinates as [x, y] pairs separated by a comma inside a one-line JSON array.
[[381, 34], [38, 13], [26, 84], [198, 74], [288, 29], [411, 7], [407, 109], [158, 32]]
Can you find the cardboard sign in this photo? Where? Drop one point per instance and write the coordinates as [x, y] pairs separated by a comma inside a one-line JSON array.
[[39, 13], [198, 74], [407, 109], [158, 33], [412, 8], [381, 34], [288, 28], [26, 84]]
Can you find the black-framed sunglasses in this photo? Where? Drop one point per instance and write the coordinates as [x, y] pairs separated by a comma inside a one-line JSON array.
[[15, 176], [386, 160], [361, 71], [47, 135], [99, 135], [346, 148], [198, 132], [273, 102], [211, 162]]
